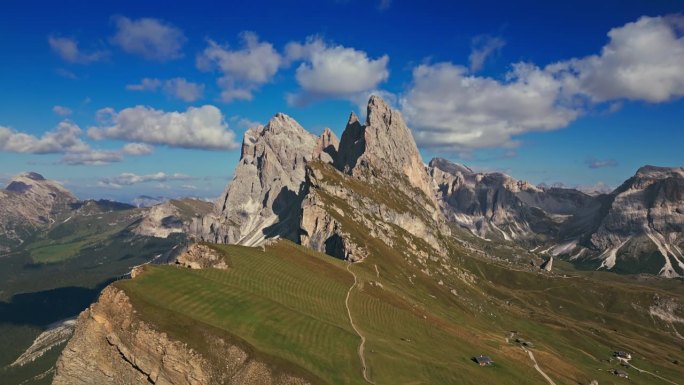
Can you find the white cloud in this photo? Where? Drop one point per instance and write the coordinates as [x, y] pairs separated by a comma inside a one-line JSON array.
[[146, 84], [642, 61], [331, 71], [451, 108], [61, 110], [137, 149], [178, 88], [482, 48], [65, 138], [92, 158], [243, 70], [152, 39], [183, 89], [67, 49], [198, 127], [127, 179]]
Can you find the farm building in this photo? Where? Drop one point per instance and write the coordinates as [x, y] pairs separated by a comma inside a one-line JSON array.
[[483, 360], [620, 373], [623, 355]]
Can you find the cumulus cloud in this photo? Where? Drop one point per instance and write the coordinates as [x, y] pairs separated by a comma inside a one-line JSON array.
[[150, 38], [198, 127], [178, 88], [452, 108], [65, 138], [244, 70], [642, 61], [127, 179], [601, 163], [61, 110], [333, 71], [482, 48], [67, 49], [137, 149]]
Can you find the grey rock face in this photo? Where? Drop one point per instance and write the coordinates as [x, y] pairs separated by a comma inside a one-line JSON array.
[[379, 155], [645, 211], [264, 197], [644, 216], [385, 144], [29, 202], [496, 205], [326, 146]]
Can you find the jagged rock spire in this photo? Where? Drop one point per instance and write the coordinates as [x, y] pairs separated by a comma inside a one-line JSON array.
[[383, 143], [326, 146]]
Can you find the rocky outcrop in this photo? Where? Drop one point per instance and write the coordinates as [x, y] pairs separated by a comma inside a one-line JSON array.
[[111, 345], [198, 256], [29, 202], [547, 265], [383, 144], [160, 221], [264, 197], [319, 229], [379, 183], [326, 146], [172, 217]]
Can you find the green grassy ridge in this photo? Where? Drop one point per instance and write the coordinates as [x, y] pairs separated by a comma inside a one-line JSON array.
[[286, 311]]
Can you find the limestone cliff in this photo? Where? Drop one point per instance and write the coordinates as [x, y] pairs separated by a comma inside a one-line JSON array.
[[376, 171], [111, 345], [30, 202], [383, 144], [263, 199]]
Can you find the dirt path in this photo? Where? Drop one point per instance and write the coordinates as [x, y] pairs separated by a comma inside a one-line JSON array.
[[647, 372], [362, 345], [536, 366]]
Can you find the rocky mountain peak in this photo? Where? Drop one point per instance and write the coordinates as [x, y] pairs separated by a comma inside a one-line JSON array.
[[657, 172], [263, 199], [378, 112], [385, 144], [326, 146], [450, 167]]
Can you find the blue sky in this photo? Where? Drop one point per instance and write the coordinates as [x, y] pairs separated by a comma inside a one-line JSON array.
[[123, 99]]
